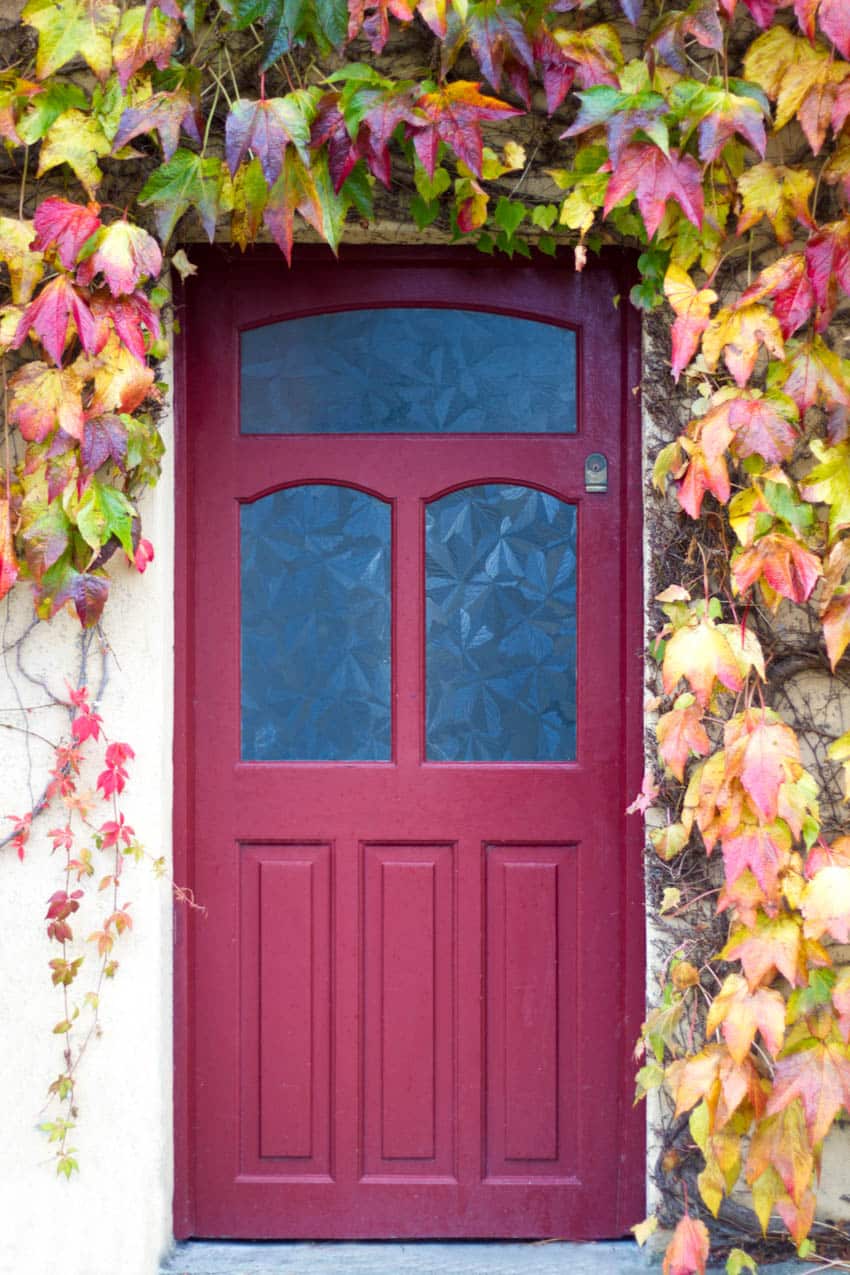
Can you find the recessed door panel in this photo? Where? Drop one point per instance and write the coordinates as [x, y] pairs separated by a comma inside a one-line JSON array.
[[414, 696]]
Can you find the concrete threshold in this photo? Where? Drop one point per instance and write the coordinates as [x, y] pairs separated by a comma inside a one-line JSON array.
[[421, 1257]]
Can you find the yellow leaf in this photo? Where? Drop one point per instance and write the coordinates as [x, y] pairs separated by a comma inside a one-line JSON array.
[[781, 194], [642, 1230], [75, 139], [25, 267], [70, 29], [737, 335]]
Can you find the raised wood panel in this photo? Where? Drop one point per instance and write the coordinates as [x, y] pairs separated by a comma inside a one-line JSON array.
[[531, 1034], [286, 1009], [408, 1010]]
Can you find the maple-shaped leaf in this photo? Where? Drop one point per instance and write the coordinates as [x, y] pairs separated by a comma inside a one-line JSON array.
[[787, 282], [705, 445], [21, 257], [144, 35], [58, 308], [829, 483], [453, 114], [687, 1252], [495, 34], [720, 116], [125, 254], [653, 177], [266, 127], [836, 626], [104, 438], [701, 655], [622, 114], [70, 29], [121, 382], [746, 898], [814, 374], [788, 67], [825, 904], [42, 399], [828, 267], [595, 53], [741, 1013], [762, 427], [64, 585], [8, 560], [692, 308], [75, 139], [781, 194], [250, 192], [737, 333], [820, 1077], [699, 20], [680, 733], [556, 71], [330, 129], [65, 227], [787, 567], [374, 114], [164, 114], [188, 181], [126, 316], [764, 753], [761, 848], [294, 191], [14, 93], [771, 946], [372, 18], [841, 1001], [713, 1076], [780, 1142]]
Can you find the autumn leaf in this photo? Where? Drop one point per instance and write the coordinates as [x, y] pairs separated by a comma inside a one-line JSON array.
[[839, 751], [595, 53], [829, 483], [42, 399], [188, 181], [841, 1001], [22, 259], [737, 334], [701, 655], [294, 191], [787, 282], [761, 848], [825, 904], [692, 308], [834, 21], [687, 1252], [764, 753], [164, 114], [781, 194], [121, 382], [787, 67], [125, 254], [266, 128], [740, 1013], [820, 1077], [813, 374], [250, 193], [782, 563], [680, 733], [653, 177], [8, 560], [712, 1075], [372, 17], [771, 946], [705, 446], [828, 266], [780, 1142], [494, 35], [145, 34], [720, 116], [70, 29], [762, 427], [453, 114], [104, 438], [698, 19], [58, 308], [65, 227], [86, 591], [127, 316], [75, 139]]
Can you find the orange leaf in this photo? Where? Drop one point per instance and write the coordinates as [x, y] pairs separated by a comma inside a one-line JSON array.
[[692, 309], [780, 1142], [764, 849], [771, 946], [708, 439], [42, 398], [681, 732], [687, 1252], [782, 563], [836, 627], [764, 753], [820, 1078], [741, 1013], [737, 334], [701, 655]]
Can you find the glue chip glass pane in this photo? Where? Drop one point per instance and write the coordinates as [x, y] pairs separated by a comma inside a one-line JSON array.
[[316, 626], [500, 626], [408, 371]]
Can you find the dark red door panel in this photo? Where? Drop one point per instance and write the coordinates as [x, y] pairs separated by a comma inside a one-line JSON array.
[[409, 1007]]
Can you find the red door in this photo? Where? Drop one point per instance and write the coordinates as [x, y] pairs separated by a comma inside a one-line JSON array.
[[411, 708]]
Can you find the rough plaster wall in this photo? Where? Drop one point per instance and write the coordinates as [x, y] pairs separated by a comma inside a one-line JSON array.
[[116, 1213]]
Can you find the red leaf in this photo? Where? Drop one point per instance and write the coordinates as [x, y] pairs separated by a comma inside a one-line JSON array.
[[294, 191], [763, 849], [787, 567], [820, 1078], [495, 35], [374, 21], [265, 127], [687, 1252], [57, 305], [8, 560], [761, 430], [828, 266], [454, 114], [162, 113], [836, 627], [66, 225], [329, 128], [104, 438], [389, 109], [556, 72], [787, 281], [653, 177], [127, 315], [834, 19]]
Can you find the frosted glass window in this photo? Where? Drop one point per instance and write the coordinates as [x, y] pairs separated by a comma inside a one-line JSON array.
[[500, 626], [316, 626], [408, 371]]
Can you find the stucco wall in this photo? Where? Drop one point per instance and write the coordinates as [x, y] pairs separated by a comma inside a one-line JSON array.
[[115, 1215]]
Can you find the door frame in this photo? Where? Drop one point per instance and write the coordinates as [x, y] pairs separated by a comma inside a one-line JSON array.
[[631, 1170]]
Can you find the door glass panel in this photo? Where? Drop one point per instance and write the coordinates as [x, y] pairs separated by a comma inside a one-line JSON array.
[[408, 371], [500, 626], [316, 626]]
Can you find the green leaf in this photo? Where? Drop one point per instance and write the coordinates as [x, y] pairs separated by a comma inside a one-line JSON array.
[[738, 1261], [55, 99], [70, 29], [188, 181]]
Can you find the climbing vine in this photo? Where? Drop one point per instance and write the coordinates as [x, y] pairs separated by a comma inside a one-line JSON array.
[[714, 139]]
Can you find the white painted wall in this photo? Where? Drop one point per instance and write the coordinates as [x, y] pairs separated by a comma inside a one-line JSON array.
[[115, 1215]]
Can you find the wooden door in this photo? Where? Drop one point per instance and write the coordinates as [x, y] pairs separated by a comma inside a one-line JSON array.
[[411, 694]]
